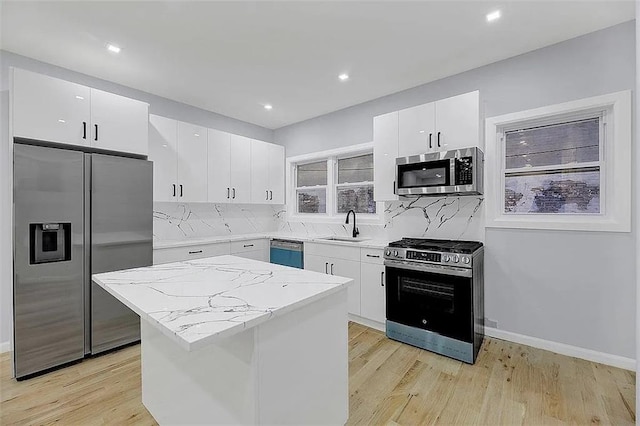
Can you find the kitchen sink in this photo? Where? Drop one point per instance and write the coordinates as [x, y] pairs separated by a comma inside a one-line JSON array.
[[345, 239]]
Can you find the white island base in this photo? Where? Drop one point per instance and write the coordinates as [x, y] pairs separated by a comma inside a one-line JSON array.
[[291, 369]]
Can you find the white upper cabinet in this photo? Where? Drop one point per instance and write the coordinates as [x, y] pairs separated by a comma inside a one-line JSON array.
[[276, 173], [50, 109], [267, 173], [259, 172], [229, 173], [119, 123], [458, 122], [417, 127], [179, 160], [385, 151], [240, 169], [163, 151], [192, 163], [219, 171], [450, 123]]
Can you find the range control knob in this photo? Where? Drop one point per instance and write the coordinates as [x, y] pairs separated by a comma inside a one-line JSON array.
[[395, 253], [388, 253], [465, 259], [446, 257], [456, 258]]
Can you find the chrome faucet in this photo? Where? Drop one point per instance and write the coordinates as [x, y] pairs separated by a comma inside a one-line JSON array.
[[355, 230]]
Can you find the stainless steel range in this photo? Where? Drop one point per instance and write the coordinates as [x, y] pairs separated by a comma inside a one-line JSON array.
[[435, 295]]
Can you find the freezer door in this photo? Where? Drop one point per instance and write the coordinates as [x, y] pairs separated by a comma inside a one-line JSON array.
[[121, 238], [47, 295]]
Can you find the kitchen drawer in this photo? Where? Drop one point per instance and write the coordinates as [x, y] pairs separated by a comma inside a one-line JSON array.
[[260, 255], [260, 244], [335, 251], [370, 255], [177, 254]]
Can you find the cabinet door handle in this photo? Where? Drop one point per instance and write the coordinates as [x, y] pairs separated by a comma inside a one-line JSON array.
[[234, 193], [247, 245], [96, 138], [267, 191], [430, 135], [382, 279], [228, 190], [326, 267], [174, 189], [394, 186], [271, 195], [373, 255], [181, 190], [332, 269], [438, 139], [84, 130], [195, 252]]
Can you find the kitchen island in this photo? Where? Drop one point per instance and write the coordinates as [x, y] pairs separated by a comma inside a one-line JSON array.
[[228, 340]]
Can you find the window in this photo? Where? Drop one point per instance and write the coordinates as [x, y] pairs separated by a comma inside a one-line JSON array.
[[354, 189], [311, 188], [566, 166], [554, 168], [329, 184]]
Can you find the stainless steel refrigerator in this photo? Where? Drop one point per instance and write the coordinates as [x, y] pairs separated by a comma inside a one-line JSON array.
[[75, 214]]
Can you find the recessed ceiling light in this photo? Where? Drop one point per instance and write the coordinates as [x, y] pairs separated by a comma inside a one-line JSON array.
[[61, 121], [268, 107], [343, 77], [79, 97], [196, 135], [493, 16], [113, 48]]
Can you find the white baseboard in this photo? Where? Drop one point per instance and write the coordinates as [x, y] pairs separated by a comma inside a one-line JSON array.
[[5, 347], [369, 323], [563, 349]]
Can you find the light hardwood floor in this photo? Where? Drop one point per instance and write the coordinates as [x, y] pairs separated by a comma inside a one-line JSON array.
[[390, 383]]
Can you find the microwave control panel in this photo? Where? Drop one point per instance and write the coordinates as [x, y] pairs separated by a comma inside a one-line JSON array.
[[464, 171]]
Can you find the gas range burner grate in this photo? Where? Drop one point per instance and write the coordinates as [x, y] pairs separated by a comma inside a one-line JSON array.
[[449, 246]]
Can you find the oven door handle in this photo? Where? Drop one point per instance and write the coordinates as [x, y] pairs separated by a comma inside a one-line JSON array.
[[434, 269]]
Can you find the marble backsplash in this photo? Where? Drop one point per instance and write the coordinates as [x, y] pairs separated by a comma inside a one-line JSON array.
[[452, 218], [458, 218], [178, 221]]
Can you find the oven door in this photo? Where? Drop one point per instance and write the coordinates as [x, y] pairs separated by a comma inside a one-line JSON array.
[[431, 297]]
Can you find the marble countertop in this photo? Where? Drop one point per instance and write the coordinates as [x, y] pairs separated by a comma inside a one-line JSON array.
[[372, 243], [197, 302]]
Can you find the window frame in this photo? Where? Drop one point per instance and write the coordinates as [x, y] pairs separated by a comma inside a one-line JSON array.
[[331, 156], [614, 163]]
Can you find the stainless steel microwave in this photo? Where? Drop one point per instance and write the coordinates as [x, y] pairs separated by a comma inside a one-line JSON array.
[[458, 171]]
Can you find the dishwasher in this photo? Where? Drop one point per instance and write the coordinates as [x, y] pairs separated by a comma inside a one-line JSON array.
[[287, 253]]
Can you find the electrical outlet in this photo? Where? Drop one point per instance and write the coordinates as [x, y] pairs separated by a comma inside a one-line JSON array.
[[490, 323]]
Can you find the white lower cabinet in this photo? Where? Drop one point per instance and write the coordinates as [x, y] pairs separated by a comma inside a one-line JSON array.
[[372, 286], [337, 260], [257, 249], [178, 254]]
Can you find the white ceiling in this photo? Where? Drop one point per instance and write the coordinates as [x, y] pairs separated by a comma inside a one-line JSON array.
[[234, 57]]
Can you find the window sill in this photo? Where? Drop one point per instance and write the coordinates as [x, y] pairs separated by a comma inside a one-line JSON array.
[[564, 223]]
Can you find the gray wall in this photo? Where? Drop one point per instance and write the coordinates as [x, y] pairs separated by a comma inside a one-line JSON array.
[[576, 288], [158, 105]]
